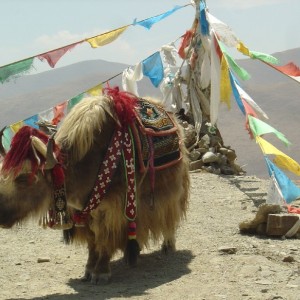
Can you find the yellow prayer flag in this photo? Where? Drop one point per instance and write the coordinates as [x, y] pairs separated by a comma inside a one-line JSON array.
[[281, 160], [242, 48], [225, 85], [106, 38], [16, 126], [287, 163], [267, 148], [95, 91]]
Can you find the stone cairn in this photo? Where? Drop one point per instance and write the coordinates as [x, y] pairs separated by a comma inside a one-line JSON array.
[[209, 154]]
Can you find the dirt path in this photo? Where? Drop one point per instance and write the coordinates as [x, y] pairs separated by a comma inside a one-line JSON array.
[[198, 270]]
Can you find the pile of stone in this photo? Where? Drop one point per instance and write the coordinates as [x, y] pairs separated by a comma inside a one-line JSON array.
[[208, 152]]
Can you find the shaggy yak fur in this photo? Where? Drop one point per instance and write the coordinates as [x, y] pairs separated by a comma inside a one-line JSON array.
[[83, 139]]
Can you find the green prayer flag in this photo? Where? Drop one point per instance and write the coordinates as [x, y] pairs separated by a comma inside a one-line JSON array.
[[259, 128], [15, 70], [72, 102], [264, 57], [242, 73]]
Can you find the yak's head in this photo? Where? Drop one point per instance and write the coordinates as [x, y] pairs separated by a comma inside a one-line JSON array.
[[25, 179]]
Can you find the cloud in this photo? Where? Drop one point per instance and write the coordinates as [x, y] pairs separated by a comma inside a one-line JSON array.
[[59, 39], [118, 51], [238, 4]]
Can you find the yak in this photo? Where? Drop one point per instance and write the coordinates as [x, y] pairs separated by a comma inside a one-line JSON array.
[[114, 176]]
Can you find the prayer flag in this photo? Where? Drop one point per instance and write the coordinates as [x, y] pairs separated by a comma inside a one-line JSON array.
[[259, 127], [106, 38], [72, 102], [215, 79], [290, 70], [241, 72], [223, 31], [54, 56], [251, 102], [148, 23], [237, 97], [225, 86], [95, 91], [15, 69], [264, 57], [153, 68], [289, 190], [281, 160], [204, 25], [130, 77], [58, 113], [31, 121], [242, 48], [16, 126], [7, 137]]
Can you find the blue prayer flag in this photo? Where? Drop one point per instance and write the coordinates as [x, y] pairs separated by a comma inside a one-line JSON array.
[[153, 68], [289, 190], [148, 23], [236, 93]]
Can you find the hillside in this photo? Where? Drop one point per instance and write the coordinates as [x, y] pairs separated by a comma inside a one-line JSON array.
[[277, 94]]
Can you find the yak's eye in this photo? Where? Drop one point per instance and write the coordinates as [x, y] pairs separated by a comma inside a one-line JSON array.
[[25, 179]]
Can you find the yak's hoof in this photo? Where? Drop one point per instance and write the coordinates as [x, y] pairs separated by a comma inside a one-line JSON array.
[[102, 278], [168, 247], [86, 277]]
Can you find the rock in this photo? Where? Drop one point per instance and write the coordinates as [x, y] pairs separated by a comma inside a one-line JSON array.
[[227, 170], [209, 157], [202, 150], [43, 259], [231, 155], [227, 249], [264, 282], [281, 224], [223, 150], [261, 217], [194, 155], [288, 258], [205, 141], [196, 165]]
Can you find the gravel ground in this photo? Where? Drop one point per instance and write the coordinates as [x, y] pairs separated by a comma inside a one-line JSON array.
[[213, 260]]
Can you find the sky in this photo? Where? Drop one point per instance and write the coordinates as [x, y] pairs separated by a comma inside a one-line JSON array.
[[32, 27]]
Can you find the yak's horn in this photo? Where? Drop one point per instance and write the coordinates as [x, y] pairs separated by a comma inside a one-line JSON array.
[[2, 150], [46, 151], [39, 145], [51, 160]]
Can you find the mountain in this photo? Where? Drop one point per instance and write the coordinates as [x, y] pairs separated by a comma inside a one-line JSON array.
[[277, 94]]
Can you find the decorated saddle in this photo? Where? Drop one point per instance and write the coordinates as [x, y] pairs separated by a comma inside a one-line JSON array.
[[156, 136]]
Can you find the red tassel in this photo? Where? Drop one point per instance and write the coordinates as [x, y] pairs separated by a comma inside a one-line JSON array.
[[58, 175], [131, 230], [124, 104], [21, 150]]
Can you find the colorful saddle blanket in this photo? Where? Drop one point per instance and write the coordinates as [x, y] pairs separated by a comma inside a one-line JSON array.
[[156, 136]]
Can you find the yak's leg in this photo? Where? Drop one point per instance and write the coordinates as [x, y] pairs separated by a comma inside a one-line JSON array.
[[168, 245], [93, 257], [101, 272]]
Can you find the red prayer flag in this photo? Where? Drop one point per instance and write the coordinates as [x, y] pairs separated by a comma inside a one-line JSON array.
[[249, 111], [53, 57], [289, 69], [58, 113]]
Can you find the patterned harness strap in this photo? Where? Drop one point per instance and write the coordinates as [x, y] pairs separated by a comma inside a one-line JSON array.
[[121, 145]]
